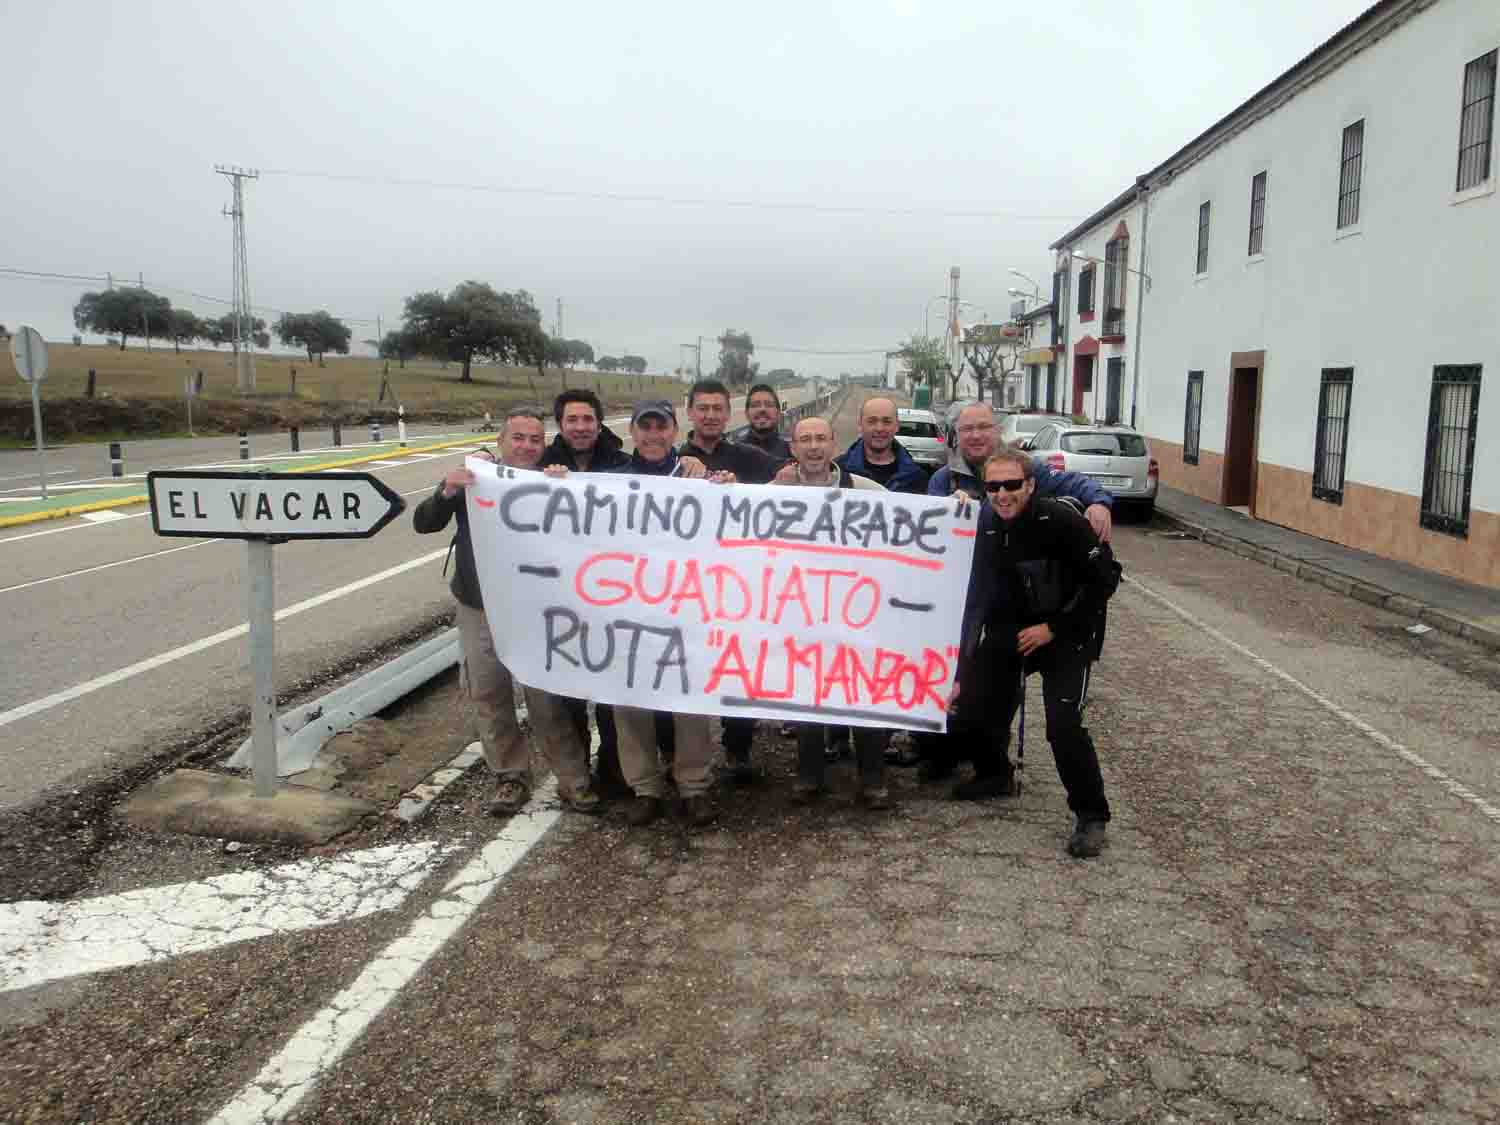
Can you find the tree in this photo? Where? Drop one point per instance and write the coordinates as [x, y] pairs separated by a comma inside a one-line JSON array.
[[993, 352], [183, 327], [923, 359], [580, 351], [474, 321], [126, 312], [398, 345], [319, 332], [220, 331], [735, 350], [635, 364], [607, 363]]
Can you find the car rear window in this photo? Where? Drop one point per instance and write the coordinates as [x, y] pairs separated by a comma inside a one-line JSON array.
[[1031, 423], [917, 429], [1105, 445]]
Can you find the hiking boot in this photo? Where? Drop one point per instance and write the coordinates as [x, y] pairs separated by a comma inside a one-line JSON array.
[[584, 800], [741, 772], [510, 797], [698, 811], [986, 786], [611, 787], [806, 792], [642, 811], [1087, 840], [874, 797]]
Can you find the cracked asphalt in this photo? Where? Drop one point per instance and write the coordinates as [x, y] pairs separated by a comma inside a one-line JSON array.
[[1296, 921]]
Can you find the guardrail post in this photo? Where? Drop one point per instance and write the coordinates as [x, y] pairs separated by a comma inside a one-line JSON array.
[[244, 446], [401, 424], [116, 460], [374, 429], [296, 440]]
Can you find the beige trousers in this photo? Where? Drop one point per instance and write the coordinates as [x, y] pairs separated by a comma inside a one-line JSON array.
[[641, 764]]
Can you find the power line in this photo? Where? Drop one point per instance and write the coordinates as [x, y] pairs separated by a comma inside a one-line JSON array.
[[44, 275], [672, 200]]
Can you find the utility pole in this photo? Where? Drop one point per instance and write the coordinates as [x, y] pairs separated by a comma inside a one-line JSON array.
[[145, 328], [244, 318], [557, 327]]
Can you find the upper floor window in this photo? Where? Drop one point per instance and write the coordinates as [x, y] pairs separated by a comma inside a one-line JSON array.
[[1476, 122], [1202, 261], [1351, 169], [1116, 251], [1257, 213], [1086, 291]]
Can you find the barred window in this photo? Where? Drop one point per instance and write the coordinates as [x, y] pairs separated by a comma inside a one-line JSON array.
[[1194, 417], [1257, 213], [1202, 263], [1351, 172], [1448, 475], [1086, 290], [1476, 122], [1332, 441]]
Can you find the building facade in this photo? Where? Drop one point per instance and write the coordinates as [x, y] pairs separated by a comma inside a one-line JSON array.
[[1324, 299]]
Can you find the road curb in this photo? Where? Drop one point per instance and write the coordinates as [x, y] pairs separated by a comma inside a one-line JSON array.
[[1366, 592], [321, 466]]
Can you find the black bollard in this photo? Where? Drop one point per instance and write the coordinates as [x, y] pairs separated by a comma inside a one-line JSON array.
[[244, 446], [296, 440], [116, 460], [338, 434], [374, 429]]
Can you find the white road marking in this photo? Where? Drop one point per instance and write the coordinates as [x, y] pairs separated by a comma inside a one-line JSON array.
[[46, 941], [318, 1044], [108, 515], [67, 695], [1457, 788], [106, 566], [383, 464], [51, 470], [60, 530]]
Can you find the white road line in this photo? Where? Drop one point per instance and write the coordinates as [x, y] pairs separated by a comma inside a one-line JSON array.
[[46, 941], [106, 566], [1457, 788], [318, 1044], [67, 695], [108, 515], [51, 470]]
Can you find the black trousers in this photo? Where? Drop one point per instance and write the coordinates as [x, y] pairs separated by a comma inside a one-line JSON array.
[[738, 732], [609, 747], [991, 694], [869, 754]]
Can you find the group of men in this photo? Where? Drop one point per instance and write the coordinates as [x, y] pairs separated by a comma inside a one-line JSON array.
[[1005, 630]]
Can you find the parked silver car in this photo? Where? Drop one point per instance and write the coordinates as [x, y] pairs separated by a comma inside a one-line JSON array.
[[1118, 458], [1017, 426], [922, 435]]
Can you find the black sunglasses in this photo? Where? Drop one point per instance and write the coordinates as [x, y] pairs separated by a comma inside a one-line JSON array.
[[1008, 485]]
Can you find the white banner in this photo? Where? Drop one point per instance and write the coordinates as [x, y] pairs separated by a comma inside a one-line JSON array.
[[771, 601]]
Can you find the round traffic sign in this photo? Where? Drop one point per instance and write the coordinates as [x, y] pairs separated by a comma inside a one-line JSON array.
[[29, 351]]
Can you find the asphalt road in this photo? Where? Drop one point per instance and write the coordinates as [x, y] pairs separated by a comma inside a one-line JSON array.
[[120, 645], [1297, 920]]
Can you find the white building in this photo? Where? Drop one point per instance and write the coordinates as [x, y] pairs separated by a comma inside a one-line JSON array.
[[1324, 295], [1096, 288], [1038, 385]]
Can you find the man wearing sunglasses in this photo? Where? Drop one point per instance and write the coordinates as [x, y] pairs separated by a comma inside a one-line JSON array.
[[1038, 585]]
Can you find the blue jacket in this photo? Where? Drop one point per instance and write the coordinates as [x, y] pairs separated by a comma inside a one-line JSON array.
[[910, 477], [1049, 482]]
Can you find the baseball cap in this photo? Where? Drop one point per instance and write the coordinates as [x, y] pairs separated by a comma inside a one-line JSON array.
[[658, 406]]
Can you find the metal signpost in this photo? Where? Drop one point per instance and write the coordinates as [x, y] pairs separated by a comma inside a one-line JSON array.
[[265, 509], [190, 392], [29, 351]]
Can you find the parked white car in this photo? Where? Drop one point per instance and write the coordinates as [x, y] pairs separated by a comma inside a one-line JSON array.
[[922, 435], [1118, 458], [1016, 426]]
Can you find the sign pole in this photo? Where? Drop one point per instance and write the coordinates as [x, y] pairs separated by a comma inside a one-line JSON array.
[[36, 419], [262, 665]]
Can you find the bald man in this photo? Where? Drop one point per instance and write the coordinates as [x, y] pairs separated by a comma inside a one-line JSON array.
[[878, 455]]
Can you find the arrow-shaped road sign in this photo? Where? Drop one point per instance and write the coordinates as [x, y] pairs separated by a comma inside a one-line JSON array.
[[274, 506]]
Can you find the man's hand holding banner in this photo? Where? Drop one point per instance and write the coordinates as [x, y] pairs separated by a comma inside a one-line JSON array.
[[768, 601]]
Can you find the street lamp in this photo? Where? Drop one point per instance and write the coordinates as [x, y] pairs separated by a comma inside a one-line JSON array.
[[1036, 290], [927, 312], [1082, 257]]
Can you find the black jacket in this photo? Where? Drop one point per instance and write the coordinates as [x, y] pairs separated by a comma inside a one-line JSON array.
[[432, 515], [609, 454], [1045, 566], [773, 445], [748, 464]]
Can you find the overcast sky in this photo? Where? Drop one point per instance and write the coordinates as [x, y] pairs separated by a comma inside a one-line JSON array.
[[995, 126]]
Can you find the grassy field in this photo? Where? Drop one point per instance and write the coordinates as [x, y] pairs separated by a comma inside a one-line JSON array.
[[138, 393]]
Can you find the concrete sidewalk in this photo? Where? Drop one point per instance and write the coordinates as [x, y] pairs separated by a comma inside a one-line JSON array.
[[1444, 603]]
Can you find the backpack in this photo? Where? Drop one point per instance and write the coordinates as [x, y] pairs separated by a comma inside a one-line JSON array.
[[1113, 572]]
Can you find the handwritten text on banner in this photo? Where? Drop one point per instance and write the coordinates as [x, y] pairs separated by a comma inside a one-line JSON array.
[[762, 600]]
